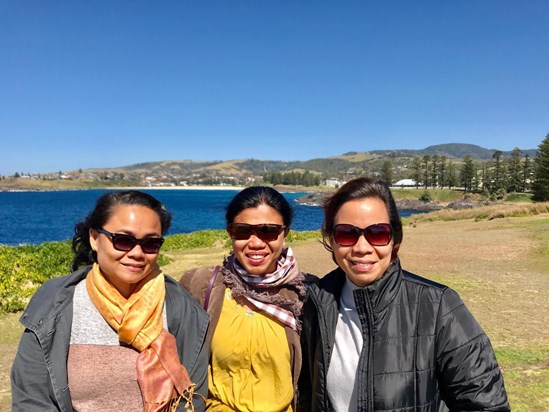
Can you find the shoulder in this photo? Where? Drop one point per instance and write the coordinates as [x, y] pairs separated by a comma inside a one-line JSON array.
[[420, 280], [448, 298], [175, 289], [52, 296], [195, 278], [180, 300], [197, 281], [309, 279], [411, 280], [333, 281], [327, 289]]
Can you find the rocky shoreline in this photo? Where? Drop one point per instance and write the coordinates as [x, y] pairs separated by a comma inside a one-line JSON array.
[[317, 198]]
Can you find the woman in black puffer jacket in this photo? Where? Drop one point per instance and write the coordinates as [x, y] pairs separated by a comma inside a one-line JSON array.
[[378, 338]]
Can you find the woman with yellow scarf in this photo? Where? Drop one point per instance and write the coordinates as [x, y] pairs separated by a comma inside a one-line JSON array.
[[116, 334]]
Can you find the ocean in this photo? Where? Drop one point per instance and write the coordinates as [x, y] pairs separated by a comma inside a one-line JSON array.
[[37, 217]]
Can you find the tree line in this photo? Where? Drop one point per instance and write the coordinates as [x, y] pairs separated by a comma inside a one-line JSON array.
[[305, 178], [494, 177]]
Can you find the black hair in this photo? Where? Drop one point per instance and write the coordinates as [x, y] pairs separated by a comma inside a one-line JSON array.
[[361, 188], [84, 255], [254, 196]]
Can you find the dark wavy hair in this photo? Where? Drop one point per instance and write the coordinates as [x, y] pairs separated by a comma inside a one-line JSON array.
[[361, 188], [254, 196], [83, 253]]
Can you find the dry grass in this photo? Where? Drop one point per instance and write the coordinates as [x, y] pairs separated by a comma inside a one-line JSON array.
[[500, 267], [489, 212]]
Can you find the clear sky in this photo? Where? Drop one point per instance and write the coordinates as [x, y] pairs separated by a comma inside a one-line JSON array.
[[88, 84]]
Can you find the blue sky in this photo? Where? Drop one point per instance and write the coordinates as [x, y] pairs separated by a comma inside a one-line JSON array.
[[111, 83]]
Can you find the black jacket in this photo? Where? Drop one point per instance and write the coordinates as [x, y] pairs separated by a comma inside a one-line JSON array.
[[423, 350], [39, 373]]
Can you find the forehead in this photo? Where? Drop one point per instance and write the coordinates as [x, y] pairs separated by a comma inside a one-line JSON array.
[[362, 212], [261, 214], [133, 214]]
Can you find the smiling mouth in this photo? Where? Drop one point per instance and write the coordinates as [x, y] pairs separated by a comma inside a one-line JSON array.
[[256, 258], [133, 267], [363, 267]]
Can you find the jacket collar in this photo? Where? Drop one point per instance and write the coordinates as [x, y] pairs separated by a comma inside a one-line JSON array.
[[381, 293]]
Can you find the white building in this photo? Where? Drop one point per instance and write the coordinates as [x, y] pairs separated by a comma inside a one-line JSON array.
[[405, 183]]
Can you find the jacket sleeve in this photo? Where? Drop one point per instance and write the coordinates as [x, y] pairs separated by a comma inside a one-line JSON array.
[[188, 322], [467, 369], [199, 376], [304, 385], [30, 381]]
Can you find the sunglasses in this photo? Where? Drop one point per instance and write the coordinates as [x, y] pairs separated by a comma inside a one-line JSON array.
[[266, 232], [125, 243], [377, 235]]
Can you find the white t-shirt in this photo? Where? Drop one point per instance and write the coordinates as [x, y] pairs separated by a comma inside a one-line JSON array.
[[342, 372]]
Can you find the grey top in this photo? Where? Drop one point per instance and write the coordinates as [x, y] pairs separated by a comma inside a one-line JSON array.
[[88, 325]]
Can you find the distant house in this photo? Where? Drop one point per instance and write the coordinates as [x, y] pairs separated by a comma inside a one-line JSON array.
[[405, 183], [332, 183]]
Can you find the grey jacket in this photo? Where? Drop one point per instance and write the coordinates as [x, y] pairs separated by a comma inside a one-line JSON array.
[[39, 373], [423, 350]]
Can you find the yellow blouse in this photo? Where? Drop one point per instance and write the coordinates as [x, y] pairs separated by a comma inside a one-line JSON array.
[[250, 367]]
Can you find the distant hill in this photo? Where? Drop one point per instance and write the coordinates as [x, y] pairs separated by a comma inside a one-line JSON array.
[[452, 151], [346, 164]]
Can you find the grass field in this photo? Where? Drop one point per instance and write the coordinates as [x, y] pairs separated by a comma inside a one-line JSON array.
[[500, 267]]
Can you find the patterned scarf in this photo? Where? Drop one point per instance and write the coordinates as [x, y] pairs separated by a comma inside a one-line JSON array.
[[163, 381], [262, 290]]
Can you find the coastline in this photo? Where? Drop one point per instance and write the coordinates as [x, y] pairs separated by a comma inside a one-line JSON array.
[[280, 188], [174, 188], [237, 188]]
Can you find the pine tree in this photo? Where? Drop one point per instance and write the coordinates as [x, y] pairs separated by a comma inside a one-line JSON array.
[[387, 172], [540, 186], [468, 173], [514, 169]]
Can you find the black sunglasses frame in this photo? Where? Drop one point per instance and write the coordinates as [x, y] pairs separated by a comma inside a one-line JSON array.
[[145, 243], [258, 230], [368, 232]]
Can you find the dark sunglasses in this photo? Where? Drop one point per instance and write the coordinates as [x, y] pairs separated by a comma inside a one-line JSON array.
[[377, 235], [266, 232], [125, 243]]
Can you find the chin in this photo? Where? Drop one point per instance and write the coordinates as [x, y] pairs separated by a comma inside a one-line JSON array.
[[256, 270]]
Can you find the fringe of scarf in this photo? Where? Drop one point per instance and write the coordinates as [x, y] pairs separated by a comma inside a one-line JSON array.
[[263, 291]]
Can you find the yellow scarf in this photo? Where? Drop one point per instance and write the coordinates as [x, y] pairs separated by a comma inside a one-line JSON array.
[[138, 320]]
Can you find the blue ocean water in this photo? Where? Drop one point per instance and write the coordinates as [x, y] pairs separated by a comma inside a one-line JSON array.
[[37, 217]]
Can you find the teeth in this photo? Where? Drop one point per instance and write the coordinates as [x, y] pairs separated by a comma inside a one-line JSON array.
[[363, 265], [256, 256]]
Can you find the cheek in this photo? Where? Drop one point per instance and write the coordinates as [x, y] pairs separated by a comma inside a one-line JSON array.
[[339, 255], [277, 247], [238, 245]]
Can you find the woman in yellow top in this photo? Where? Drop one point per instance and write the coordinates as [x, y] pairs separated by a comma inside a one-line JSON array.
[[254, 300]]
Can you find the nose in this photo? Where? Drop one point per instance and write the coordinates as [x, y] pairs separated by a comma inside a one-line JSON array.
[[256, 241], [362, 246], [136, 251]]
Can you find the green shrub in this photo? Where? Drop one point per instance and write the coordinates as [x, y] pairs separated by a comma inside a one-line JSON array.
[[23, 269], [518, 197], [201, 239], [425, 197], [294, 236]]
